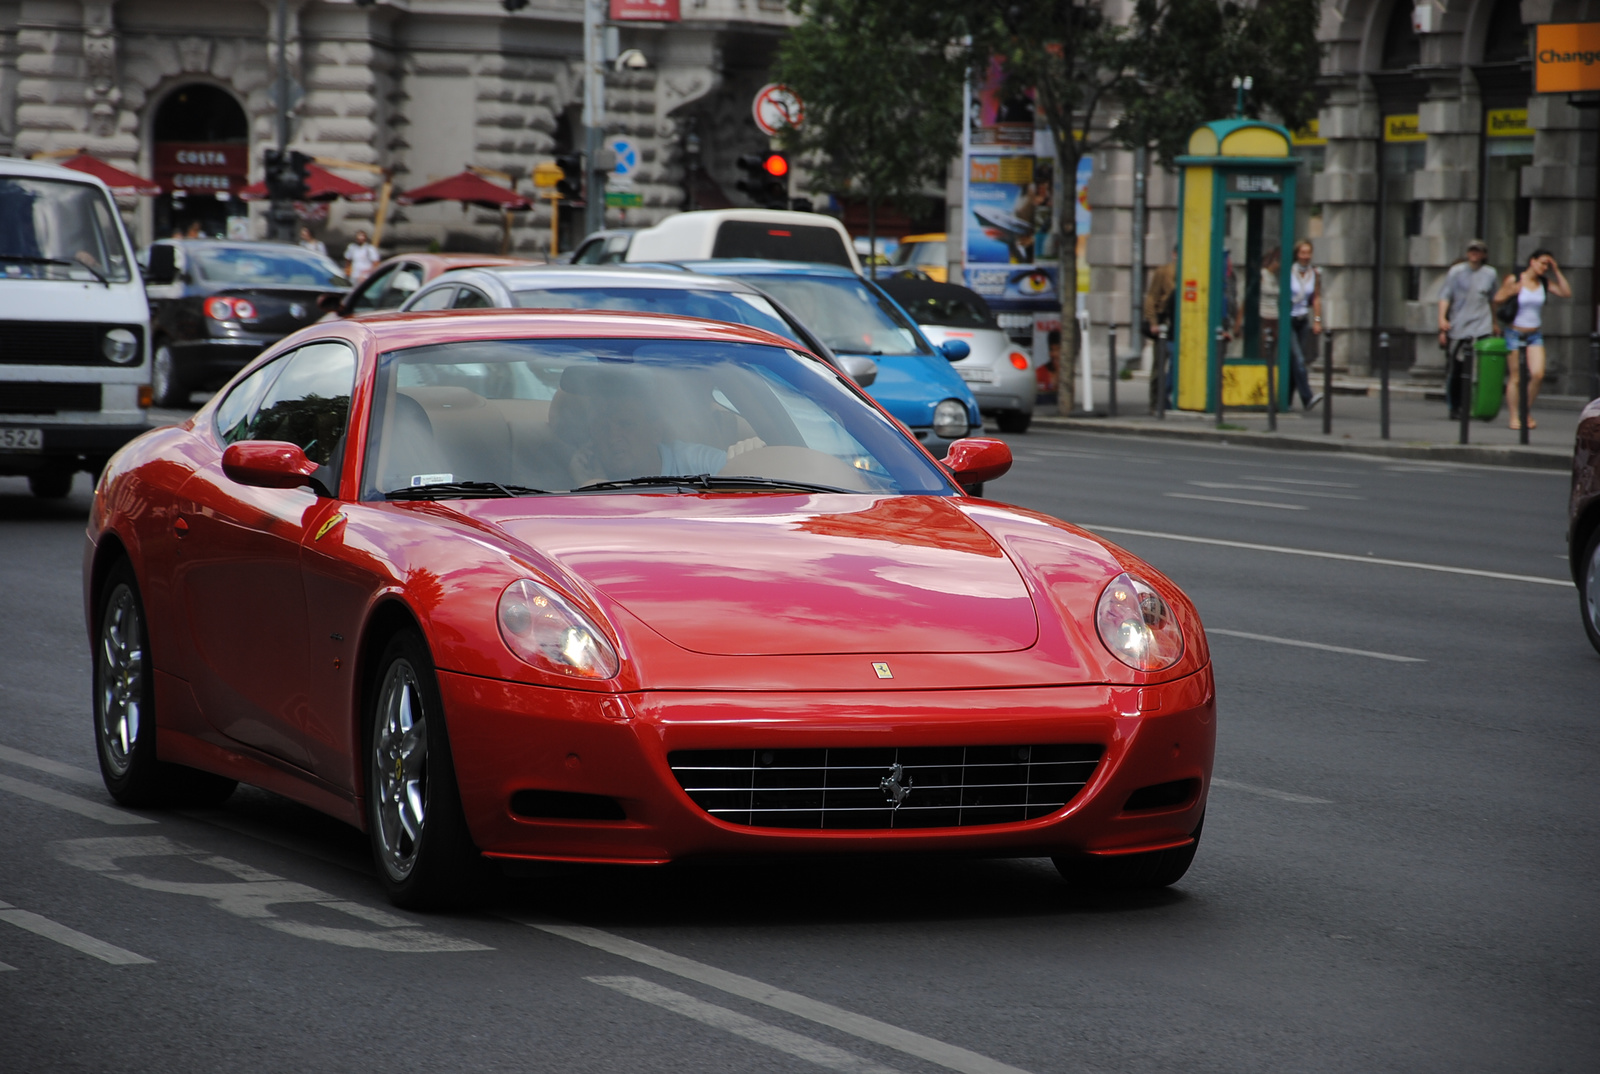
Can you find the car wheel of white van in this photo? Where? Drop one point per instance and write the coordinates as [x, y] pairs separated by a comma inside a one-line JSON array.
[[166, 386], [51, 484]]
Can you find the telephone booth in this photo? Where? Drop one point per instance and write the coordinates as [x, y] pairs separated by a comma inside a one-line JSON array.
[[1235, 206]]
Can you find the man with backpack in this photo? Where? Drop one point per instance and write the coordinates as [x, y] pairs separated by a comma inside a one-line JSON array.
[[1466, 315]]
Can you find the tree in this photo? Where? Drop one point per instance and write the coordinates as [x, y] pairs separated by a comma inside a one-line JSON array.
[[883, 108]]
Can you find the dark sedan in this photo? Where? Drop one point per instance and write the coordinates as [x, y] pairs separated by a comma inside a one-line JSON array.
[[215, 305]]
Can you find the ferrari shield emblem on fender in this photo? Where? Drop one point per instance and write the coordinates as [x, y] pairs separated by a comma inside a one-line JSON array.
[[882, 669], [333, 520]]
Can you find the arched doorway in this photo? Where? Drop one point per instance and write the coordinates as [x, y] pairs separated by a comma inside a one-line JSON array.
[[201, 139]]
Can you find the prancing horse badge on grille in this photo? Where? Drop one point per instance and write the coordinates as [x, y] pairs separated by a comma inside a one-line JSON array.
[[882, 669], [892, 787]]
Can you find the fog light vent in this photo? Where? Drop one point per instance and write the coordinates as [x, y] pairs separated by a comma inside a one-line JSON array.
[[566, 805], [1163, 795]]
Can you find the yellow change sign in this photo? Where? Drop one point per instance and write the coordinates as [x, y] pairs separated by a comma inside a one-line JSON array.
[[1566, 57], [1405, 128]]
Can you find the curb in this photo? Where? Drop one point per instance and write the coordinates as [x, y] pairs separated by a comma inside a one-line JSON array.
[[1527, 458]]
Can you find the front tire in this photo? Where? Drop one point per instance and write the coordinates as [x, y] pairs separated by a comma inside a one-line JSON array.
[[1014, 421], [167, 387], [125, 710], [1589, 589], [1130, 872], [420, 842]]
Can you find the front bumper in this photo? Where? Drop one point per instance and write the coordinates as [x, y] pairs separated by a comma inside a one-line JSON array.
[[81, 445], [205, 364], [511, 737]]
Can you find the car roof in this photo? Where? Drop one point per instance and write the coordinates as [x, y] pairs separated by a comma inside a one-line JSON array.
[[233, 244], [514, 276], [742, 266], [393, 329], [446, 262], [40, 169], [932, 236]]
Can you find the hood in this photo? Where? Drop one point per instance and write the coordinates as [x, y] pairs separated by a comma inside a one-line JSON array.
[[774, 575]]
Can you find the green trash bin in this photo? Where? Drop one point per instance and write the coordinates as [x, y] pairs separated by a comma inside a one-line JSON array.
[[1489, 380]]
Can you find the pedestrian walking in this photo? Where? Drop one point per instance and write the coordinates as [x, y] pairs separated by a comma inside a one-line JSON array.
[[311, 242], [1466, 315], [1160, 306], [359, 257], [1305, 321], [1520, 302]]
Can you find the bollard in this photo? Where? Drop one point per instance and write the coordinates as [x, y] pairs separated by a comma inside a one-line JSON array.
[[1327, 382], [1522, 394], [1272, 378], [1383, 385], [1467, 389], [1222, 357], [1161, 372], [1111, 357]]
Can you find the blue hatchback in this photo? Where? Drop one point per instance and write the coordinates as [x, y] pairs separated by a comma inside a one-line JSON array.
[[853, 316]]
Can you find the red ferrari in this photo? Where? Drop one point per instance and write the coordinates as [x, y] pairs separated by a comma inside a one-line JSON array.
[[626, 588]]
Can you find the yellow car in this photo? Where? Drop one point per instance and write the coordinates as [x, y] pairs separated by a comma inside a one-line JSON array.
[[925, 254]]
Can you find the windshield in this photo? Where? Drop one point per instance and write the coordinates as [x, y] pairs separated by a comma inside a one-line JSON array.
[[269, 265], [920, 253], [950, 309], [557, 415], [753, 310], [845, 313], [53, 229]]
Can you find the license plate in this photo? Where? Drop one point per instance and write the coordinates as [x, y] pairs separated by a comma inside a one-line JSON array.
[[976, 376], [21, 439]]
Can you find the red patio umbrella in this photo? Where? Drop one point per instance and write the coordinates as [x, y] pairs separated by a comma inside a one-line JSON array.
[[467, 187], [119, 181], [321, 185]]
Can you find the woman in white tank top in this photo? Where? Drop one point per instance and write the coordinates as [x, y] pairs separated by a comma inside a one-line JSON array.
[[1531, 287]]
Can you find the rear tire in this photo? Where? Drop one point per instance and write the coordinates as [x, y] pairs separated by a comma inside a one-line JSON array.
[[52, 484], [1130, 872], [1589, 588], [125, 710], [424, 853], [1014, 421], [167, 387]]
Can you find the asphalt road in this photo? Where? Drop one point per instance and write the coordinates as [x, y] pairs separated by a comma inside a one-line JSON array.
[[1398, 869]]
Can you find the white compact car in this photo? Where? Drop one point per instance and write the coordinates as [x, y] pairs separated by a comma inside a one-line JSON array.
[[764, 234], [74, 327], [999, 372]]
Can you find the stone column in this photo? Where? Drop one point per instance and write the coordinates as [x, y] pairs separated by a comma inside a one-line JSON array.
[[1452, 118], [8, 77], [1348, 191], [1561, 183]]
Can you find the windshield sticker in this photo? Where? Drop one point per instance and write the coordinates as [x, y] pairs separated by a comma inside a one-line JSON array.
[[418, 480]]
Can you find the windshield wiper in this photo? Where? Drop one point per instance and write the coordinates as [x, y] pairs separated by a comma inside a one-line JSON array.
[[23, 259], [707, 483], [462, 490]]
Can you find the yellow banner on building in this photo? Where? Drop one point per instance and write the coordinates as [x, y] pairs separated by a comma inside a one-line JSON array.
[[1310, 134], [1403, 128], [1566, 57], [1507, 123]]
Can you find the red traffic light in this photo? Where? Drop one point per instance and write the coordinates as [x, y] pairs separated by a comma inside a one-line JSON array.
[[776, 165]]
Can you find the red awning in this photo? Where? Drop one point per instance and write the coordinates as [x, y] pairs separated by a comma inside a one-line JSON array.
[[321, 185], [468, 187], [119, 181]]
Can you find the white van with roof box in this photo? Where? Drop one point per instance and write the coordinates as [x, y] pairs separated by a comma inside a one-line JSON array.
[[765, 234], [74, 326]]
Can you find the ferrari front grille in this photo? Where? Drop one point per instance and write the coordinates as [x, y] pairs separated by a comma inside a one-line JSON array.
[[884, 787]]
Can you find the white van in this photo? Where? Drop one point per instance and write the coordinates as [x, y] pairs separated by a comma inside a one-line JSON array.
[[74, 326], [767, 234]]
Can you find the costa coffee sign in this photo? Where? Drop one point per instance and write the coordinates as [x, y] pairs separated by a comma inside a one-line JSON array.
[[644, 10], [202, 167]]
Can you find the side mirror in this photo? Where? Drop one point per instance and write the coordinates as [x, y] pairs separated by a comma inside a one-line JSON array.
[[332, 302], [163, 265], [955, 349], [859, 368], [275, 464], [974, 460]]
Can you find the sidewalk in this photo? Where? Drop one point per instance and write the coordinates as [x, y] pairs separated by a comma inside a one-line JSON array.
[[1419, 426]]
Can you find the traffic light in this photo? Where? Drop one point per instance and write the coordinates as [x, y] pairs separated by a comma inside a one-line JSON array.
[[570, 185], [287, 175], [766, 179]]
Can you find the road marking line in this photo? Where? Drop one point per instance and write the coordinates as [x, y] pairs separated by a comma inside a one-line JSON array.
[[6, 967], [1269, 488], [55, 768], [1268, 792], [812, 1051], [1472, 572], [71, 803], [1316, 645], [61, 934], [1301, 481], [949, 1056], [1229, 499]]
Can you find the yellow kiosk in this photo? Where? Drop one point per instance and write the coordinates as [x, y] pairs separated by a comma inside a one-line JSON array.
[[1237, 172]]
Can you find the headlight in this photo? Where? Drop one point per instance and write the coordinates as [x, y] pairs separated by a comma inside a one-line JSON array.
[[120, 346], [1137, 626], [541, 627], [950, 419]]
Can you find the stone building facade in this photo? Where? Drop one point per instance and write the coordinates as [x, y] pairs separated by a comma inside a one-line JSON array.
[[1424, 141], [185, 89]]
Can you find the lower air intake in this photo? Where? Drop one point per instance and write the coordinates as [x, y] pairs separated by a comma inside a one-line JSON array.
[[884, 787]]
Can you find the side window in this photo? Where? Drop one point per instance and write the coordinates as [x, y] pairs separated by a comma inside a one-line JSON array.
[[470, 298], [589, 253], [436, 299], [372, 291], [238, 406], [309, 403], [400, 286]]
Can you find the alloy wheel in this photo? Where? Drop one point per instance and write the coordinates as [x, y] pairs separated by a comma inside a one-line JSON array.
[[400, 769], [1591, 587], [121, 679], [161, 373]]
